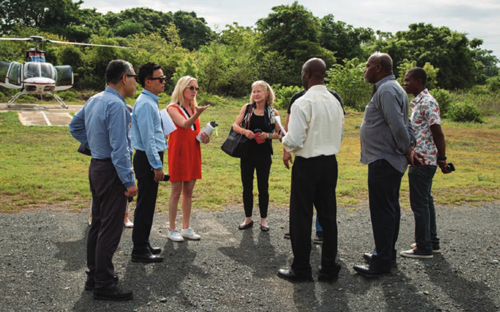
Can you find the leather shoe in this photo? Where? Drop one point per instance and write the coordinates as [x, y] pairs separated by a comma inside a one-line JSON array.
[[246, 226], [90, 284], [264, 228], [112, 294], [367, 271], [155, 250], [328, 276], [368, 258], [292, 277], [146, 258]]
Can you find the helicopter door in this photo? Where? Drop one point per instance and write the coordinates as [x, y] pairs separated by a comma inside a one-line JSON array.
[[14, 77], [64, 78], [4, 68]]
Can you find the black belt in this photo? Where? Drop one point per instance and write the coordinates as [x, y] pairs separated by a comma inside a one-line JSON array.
[[103, 160]]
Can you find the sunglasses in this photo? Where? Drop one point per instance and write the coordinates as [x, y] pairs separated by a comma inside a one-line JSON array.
[[135, 76], [160, 79], [192, 88]]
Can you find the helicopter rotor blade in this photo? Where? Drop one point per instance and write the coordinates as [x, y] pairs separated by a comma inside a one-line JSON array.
[[16, 39], [87, 44]]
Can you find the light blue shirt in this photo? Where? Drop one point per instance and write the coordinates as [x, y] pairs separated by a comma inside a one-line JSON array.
[[386, 131], [147, 132], [103, 125]]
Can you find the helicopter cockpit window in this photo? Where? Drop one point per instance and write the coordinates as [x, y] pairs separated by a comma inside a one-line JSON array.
[[31, 70], [47, 70]]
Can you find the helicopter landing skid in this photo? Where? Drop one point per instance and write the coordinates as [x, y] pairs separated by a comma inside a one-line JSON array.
[[58, 98], [14, 98]]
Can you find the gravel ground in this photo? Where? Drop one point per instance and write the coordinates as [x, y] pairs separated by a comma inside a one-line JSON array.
[[42, 266]]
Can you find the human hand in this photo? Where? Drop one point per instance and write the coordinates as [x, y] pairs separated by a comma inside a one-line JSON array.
[[200, 110], [131, 191], [249, 134], [260, 137], [159, 175], [205, 138], [287, 159]]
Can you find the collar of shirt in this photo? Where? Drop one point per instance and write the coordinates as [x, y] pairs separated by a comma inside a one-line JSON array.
[[150, 94], [384, 80], [419, 97], [111, 90]]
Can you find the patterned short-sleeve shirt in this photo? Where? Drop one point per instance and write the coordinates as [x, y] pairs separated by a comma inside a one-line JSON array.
[[425, 113]]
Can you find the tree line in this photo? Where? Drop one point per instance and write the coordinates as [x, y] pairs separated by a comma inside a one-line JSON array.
[[227, 61]]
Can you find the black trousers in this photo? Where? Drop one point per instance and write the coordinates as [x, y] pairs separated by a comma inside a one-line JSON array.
[[261, 164], [108, 211], [384, 182], [314, 181], [146, 202]]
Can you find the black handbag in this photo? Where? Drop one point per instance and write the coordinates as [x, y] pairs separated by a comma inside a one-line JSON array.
[[236, 145]]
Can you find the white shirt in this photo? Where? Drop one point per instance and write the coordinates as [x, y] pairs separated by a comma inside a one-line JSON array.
[[316, 124]]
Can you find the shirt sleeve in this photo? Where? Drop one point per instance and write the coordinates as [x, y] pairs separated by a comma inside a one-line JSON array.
[[118, 140], [432, 114], [393, 114], [77, 127], [145, 117], [297, 129]]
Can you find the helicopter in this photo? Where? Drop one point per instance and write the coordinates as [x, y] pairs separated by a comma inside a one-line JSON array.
[[36, 76]]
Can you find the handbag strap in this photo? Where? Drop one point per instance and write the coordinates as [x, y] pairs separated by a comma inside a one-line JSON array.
[[247, 116]]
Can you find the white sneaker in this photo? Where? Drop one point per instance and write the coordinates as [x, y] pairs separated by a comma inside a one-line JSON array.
[[175, 236], [190, 234]]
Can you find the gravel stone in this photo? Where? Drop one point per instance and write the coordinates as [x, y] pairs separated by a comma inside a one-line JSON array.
[[43, 260]]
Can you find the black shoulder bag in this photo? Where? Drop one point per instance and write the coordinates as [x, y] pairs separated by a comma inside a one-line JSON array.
[[236, 145]]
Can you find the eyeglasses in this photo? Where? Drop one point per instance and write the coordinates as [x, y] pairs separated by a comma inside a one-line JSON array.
[[131, 75], [160, 79], [192, 88]]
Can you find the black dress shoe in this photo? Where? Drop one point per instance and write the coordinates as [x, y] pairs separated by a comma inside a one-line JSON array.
[[90, 284], [146, 258], [367, 271], [112, 294], [368, 258], [246, 226], [292, 277], [264, 228], [324, 276], [155, 250]]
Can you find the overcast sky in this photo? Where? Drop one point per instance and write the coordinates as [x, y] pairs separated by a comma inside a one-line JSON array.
[[478, 19]]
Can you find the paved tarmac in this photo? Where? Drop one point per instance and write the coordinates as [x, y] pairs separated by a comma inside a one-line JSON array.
[[42, 114], [42, 265]]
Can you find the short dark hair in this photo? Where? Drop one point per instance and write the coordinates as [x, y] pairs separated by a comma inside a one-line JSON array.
[[116, 69], [418, 73], [146, 71]]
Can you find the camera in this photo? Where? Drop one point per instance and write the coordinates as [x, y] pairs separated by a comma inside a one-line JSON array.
[[449, 168]]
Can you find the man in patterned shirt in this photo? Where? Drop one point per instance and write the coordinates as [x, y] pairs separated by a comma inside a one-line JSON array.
[[431, 145]]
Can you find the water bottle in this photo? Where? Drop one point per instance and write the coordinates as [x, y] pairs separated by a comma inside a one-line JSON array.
[[208, 129]]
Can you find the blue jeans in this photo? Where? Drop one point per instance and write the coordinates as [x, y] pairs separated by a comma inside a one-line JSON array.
[[384, 182], [422, 205], [318, 227]]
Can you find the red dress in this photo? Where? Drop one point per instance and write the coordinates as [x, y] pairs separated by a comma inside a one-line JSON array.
[[184, 152]]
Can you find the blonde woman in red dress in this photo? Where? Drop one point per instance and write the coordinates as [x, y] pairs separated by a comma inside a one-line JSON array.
[[184, 155]]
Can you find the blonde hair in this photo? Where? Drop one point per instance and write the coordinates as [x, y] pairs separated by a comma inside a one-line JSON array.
[[267, 88], [178, 94]]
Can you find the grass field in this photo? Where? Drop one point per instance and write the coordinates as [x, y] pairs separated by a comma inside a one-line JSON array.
[[40, 166]]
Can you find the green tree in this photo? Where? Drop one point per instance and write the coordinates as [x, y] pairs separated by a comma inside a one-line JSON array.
[[448, 50], [343, 39], [292, 31], [348, 81], [431, 72]]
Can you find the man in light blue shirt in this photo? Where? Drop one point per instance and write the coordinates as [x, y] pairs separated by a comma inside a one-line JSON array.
[[103, 126], [149, 144]]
